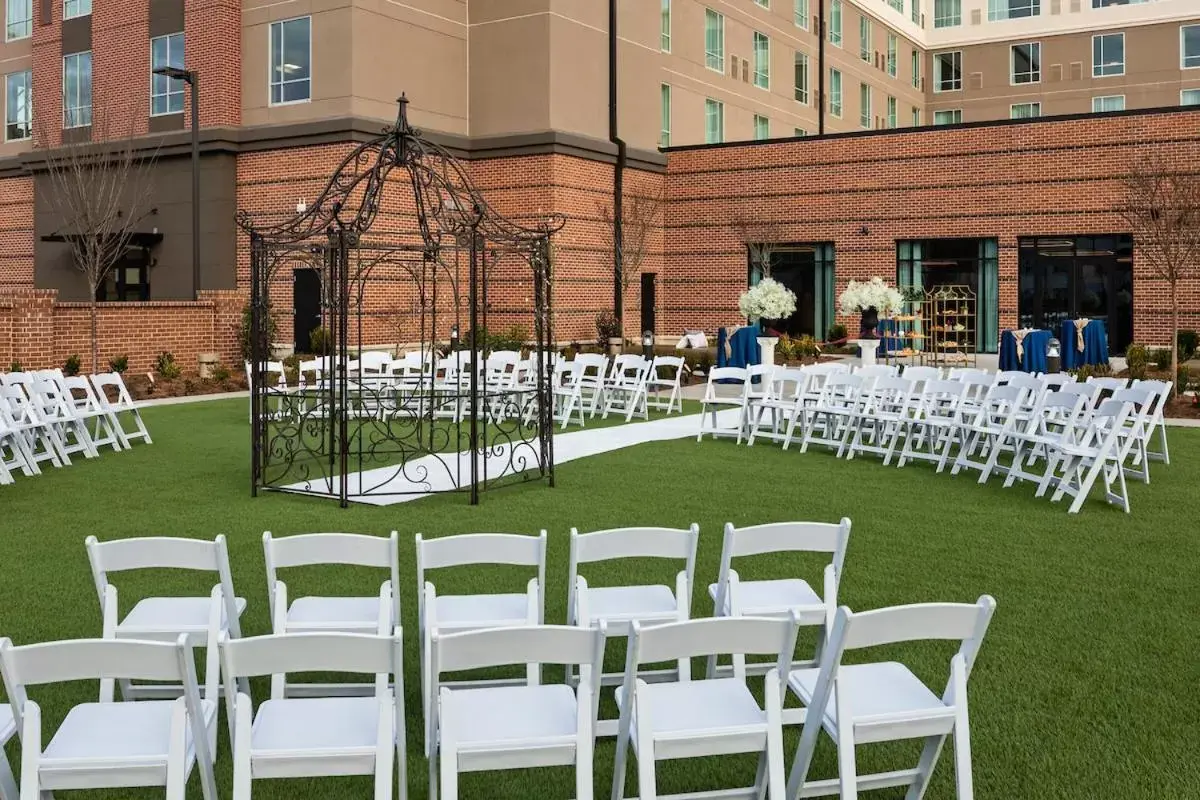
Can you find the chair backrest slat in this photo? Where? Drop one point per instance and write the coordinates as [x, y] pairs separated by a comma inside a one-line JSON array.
[[156, 552], [309, 652], [777, 537], [355, 549], [634, 543], [481, 548], [923, 621], [91, 659], [535, 644], [719, 636]]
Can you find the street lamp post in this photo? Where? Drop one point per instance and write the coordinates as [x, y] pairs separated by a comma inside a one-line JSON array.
[[192, 79]]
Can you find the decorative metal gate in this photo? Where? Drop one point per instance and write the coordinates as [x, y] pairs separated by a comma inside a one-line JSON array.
[[406, 245]]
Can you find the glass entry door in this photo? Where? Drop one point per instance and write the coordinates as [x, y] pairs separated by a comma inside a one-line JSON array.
[[974, 263], [806, 269]]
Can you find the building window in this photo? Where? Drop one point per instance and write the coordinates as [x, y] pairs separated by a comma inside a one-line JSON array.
[[835, 92], [77, 89], [892, 55], [897, 5], [951, 117], [801, 77], [664, 136], [916, 117], [18, 111], [799, 132], [1025, 61], [714, 40], [1013, 9], [892, 116], [763, 3], [947, 13], [762, 61], [1114, 102], [1107, 3], [76, 8], [835, 22], [714, 121], [916, 68], [1189, 46], [762, 127], [166, 94], [291, 61], [800, 13], [1189, 97], [1108, 55], [20, 19], [128, 281], [947, 71], [864, 105], [664, 28], [864, 39], [1025, 110]]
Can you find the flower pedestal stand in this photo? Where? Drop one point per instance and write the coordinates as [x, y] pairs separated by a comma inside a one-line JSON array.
[[867, 348], [766, 348]]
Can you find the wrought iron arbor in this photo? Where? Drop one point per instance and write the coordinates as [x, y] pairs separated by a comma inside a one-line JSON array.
[[404, 243]]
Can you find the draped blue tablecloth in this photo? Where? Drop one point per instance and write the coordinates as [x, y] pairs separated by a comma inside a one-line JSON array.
[[1033, 358], [1095, 344], [888, 341], [743, 347]]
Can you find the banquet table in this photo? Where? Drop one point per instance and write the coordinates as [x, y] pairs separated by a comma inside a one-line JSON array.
[[1033, 359], [1095, 344]]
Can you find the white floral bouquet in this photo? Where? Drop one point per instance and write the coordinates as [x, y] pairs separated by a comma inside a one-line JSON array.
[[861, 295], [768, 299]]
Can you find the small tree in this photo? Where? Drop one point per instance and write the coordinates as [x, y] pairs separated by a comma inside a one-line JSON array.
[[639, 216], [1162, 209], [100, 189], [761, 238]]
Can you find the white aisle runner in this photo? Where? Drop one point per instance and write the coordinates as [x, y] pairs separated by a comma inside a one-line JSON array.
[[436, 473]]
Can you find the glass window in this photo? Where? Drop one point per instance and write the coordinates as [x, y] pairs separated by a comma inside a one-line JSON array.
[[916, 12], [20, 19], [947, 13], [951, 117], [166, 94], [1107, 3], [835, 22], [835, 92], [916, 68], [77, 89], [664, 136], [664, 31], [1013, 9], [1025, 110], [714, 40], [916, 116], [291, 60], [892, 55], [799, 132], [1115, 102], [1108, 55], [76, 8], [714, 121], [864, 105], [1026, 62], [800, 13], [18, 111], [1189, 97], [762, 127], [764, 3], [864, 39], [947, 71], [801, 77], [1189, 46], [892, 117], [897, 4], [762, 61]]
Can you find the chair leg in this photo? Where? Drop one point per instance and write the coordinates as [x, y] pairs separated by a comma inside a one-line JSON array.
[[8, 783], [962, 763], [241, 753], [847, 765], [929, 759], [583, 770], [647, 780], [449, 776]]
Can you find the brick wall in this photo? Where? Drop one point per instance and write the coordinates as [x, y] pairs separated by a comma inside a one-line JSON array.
[[16, 233], [1053, 177]]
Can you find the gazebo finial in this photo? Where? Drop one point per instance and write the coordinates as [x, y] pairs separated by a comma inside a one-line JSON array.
[[402, 117]]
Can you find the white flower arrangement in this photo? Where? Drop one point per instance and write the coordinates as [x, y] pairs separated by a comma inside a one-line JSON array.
[[768, 299], [861, 295]]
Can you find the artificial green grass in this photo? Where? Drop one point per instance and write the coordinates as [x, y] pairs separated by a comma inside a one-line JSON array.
[[1085, 687]]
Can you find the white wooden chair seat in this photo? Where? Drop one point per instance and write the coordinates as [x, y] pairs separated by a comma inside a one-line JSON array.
[[459, 612], [544, 716], [340, 729], [773, 598], [875, 690], [617, 604], [137, 734], [167, 617], [721, 707], [351, 614]]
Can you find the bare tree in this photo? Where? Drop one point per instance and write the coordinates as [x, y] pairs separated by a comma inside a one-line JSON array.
[[761, 238], [1162, 209], [100, 189], [639, 216]]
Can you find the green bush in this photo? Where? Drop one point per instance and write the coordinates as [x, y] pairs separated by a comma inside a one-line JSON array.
[[1187, 341], [1090, 370], [245, 340], [220, 373], [15, 367], [1137, 358], [71, 366], [836, 333], [1161, 358], [166, 367], [514, 338], [1183, 379], [118, 363], [320, 341], [607, 327]]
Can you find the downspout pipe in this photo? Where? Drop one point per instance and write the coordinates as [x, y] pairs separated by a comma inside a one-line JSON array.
[[618, 170], [821, 67]]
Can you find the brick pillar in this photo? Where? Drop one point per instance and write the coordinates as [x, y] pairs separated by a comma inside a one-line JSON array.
[[32, 320], [226, 319]]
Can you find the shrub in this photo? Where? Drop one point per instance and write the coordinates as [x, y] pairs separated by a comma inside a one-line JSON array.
[[1137, 357], [245, 339], [320, 341], [166, 367], [118, 363], [220, 373], [607, 327], [1161, 358], [71, 365], [836, 333], [1187, 341], [15, 367], [1183, 379], [1090, 370]]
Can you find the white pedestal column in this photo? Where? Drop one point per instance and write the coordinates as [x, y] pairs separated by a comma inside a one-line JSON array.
[[766, 346], [866, 350]]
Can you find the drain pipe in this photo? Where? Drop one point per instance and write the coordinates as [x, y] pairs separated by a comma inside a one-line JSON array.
[[821, 67], [618, 171]]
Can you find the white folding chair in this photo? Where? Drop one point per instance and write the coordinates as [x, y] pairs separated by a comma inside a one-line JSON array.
[[619, 606], [107, 745], [40, 440], [626, 388], [865, 703], [317, 736], [785, 402], [779, 597], [713, 401], [165, 618], [123, 404], [829, 421], [8, 729], [919, 375], [701, 718], [56, 407], [990, 427], [1138, 430], [1059, 418], [886, 407], [513, 727], [1053, 381], [658, 382], [457, 613], [105, 430], [933, 431], [592, 371], [14, 447], [1098, 452], [567, 388], [309, 614], [1108, 384], [1090, 392], [1163, 390]]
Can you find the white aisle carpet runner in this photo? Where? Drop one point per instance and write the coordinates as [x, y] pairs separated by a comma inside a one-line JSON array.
[[434, 474]]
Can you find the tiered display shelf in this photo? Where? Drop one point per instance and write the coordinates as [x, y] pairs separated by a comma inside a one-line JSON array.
[[949, 313], [905, 335]]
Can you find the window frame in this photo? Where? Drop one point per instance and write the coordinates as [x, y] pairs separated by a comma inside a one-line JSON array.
[[763, 3], [716, 57], [762, 70], [802, 95], [1121, 97], [800, 13], [916, 68], [171, 82], [915, 12], [957, 18], [66, 109], [27, 22], [766, 121], [79, 4], [836, 12], [916, 116], [271, 68], [713, 103], [1183, 92], [1032, 104], [799, 133], [664, 30], [937, 78], [1183, 57], [866, 38], [28, 121], [893, 113], [836, 109], [893, 55], [664, 115], [865, 115], [1034, 6], [1035, 70], [1098, 41], [955, 111]]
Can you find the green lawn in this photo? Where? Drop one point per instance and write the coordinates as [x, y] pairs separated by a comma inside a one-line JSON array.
[[1085, 688]]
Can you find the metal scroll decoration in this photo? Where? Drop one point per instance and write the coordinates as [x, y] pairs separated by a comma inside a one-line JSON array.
[[410, 257]]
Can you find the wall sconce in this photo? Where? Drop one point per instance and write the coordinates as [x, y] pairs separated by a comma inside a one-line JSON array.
[[864, 231], [301, 206]]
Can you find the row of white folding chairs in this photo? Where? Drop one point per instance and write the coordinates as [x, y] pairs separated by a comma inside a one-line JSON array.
[[46, 417], [628, 383]]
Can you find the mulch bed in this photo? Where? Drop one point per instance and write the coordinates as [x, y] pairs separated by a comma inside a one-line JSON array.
[[141, 387]]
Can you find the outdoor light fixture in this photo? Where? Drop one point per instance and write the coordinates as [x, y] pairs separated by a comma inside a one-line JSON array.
[[454, 336], [301, 206], [647, 344], [864, 231], [1053, 355]]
